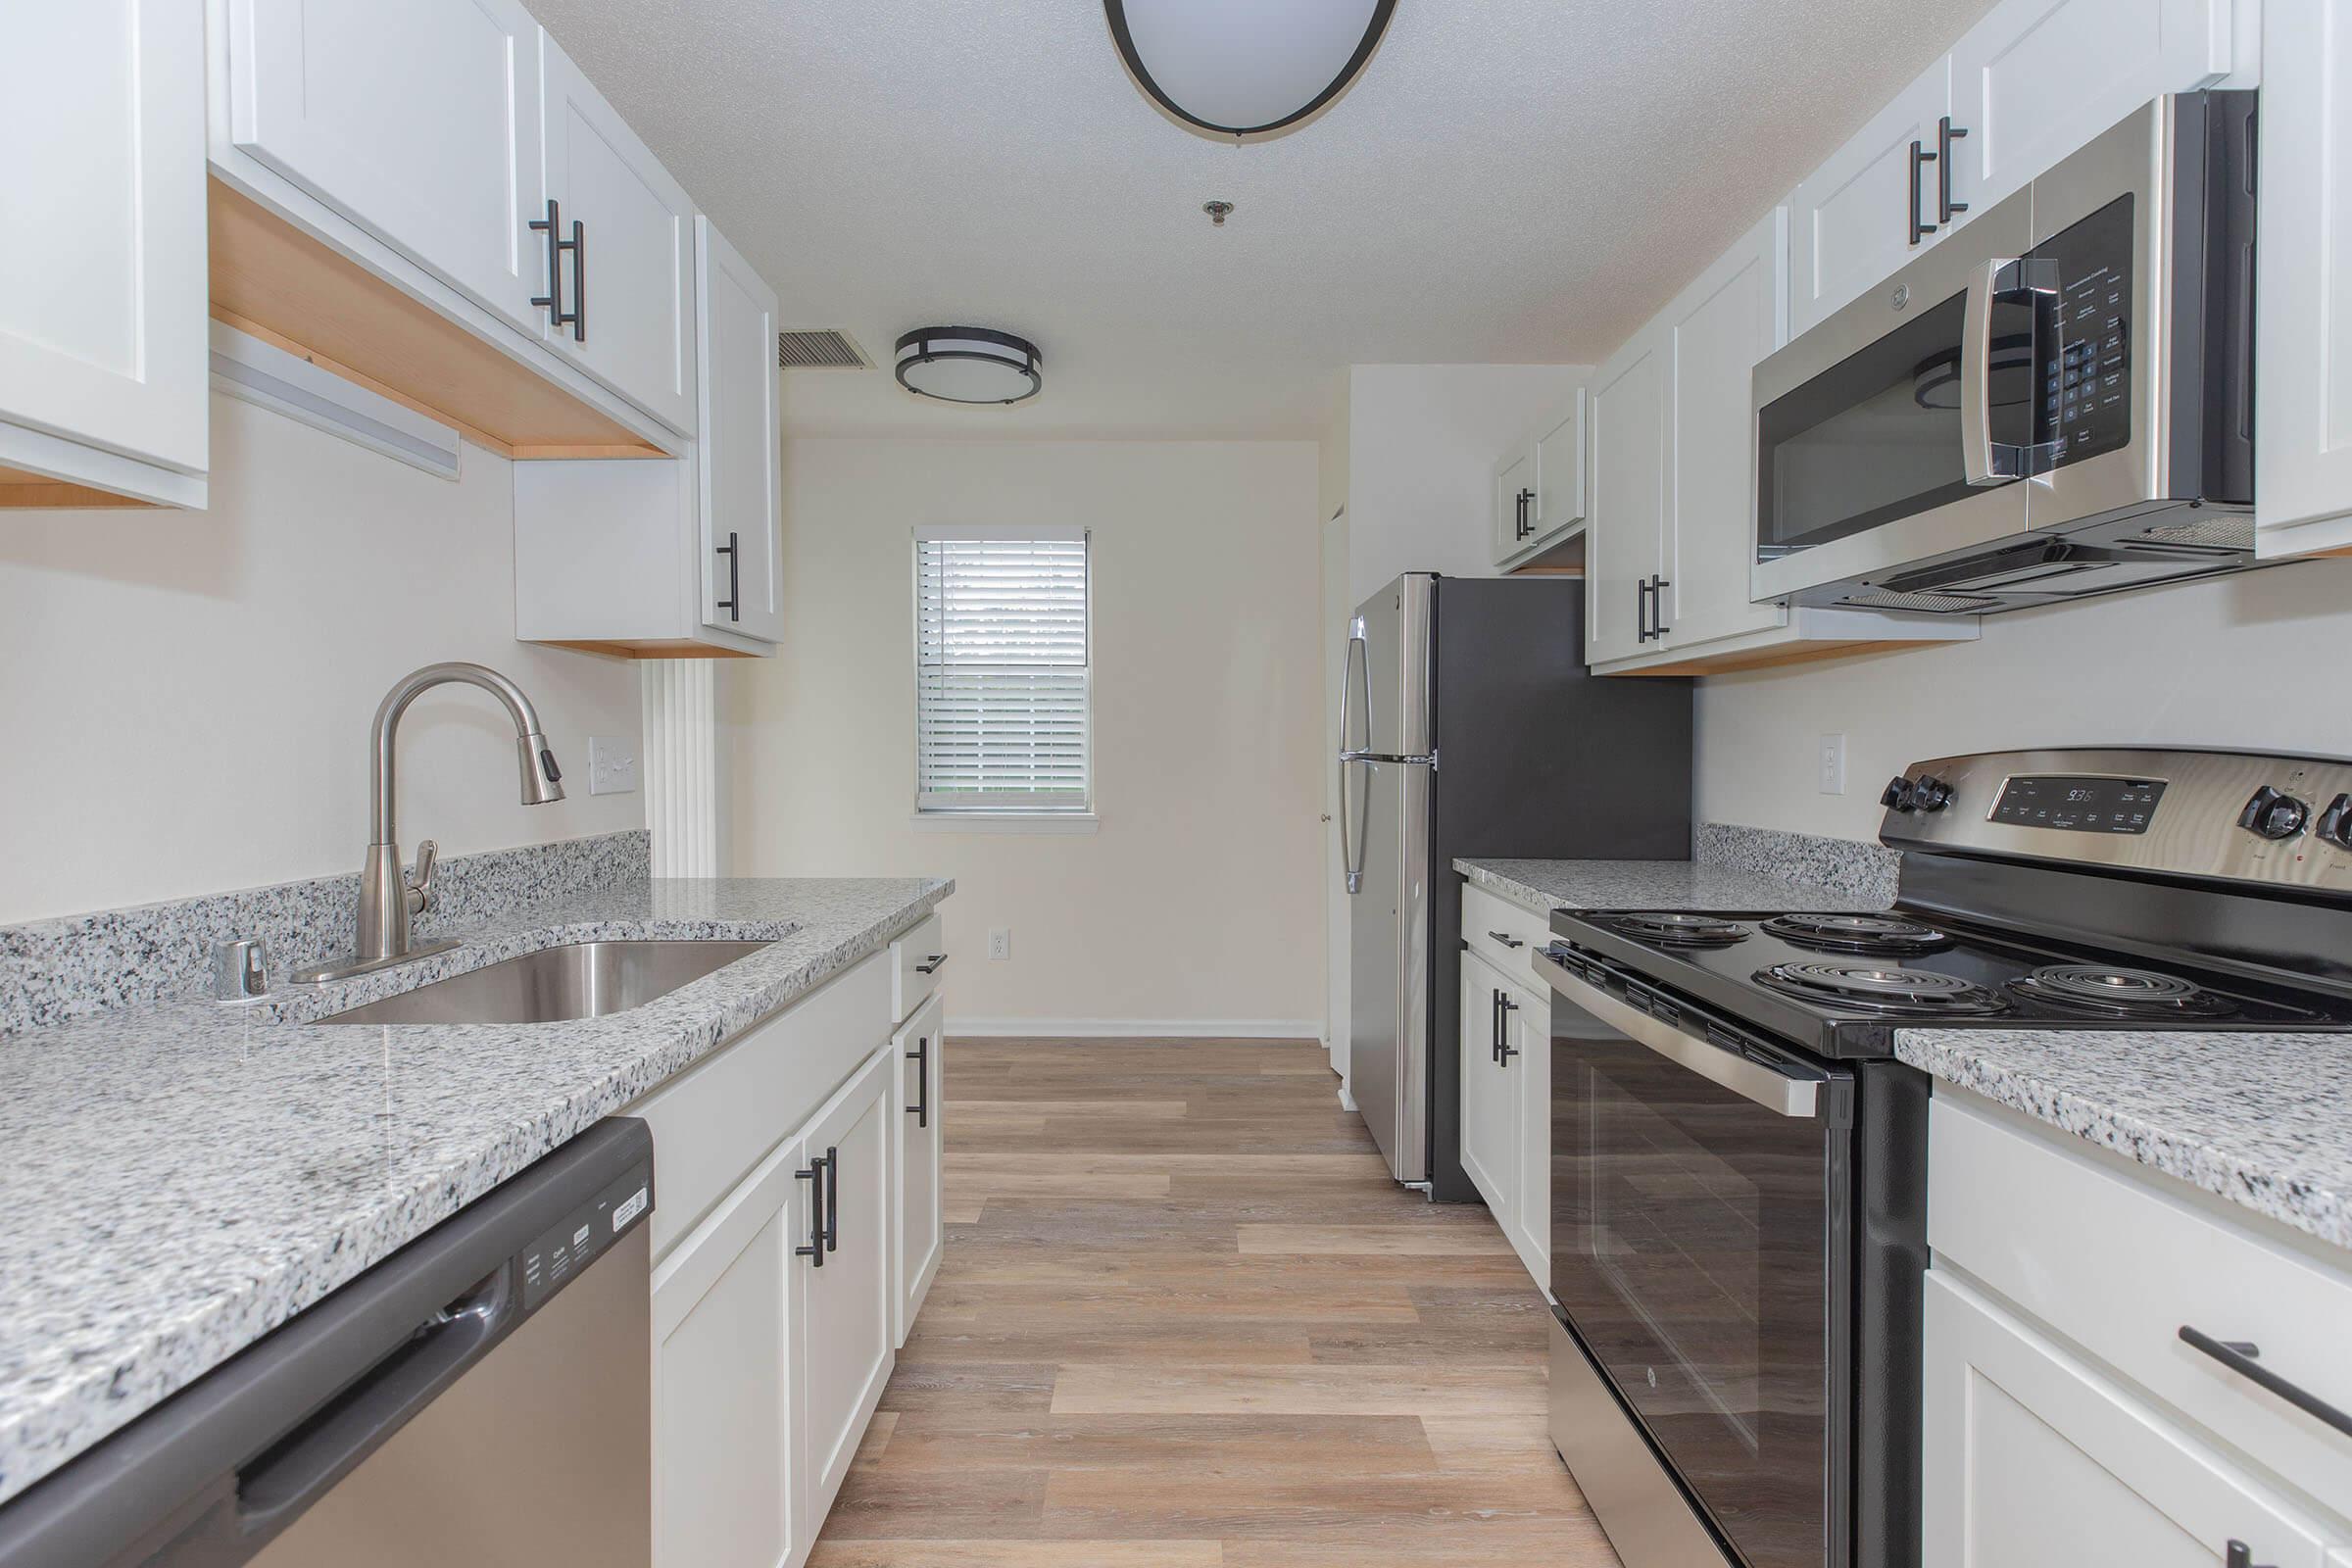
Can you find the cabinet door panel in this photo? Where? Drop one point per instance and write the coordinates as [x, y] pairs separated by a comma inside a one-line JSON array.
[[102, 227], [2303, 351], [921, 1067], [723, 1429], [1516, 473], [633, 278], [1559, 502], [1849, 221], [741, 493], [844, 1308], [1716, 332], [1490, 1126], [1624, 535], [2033, 1461], [1530, 1221], [418, 121], [2038, 78]]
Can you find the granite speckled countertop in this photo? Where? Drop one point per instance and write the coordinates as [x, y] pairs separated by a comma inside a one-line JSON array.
[[2255, 1118], [1547, 885], [183, 1178]]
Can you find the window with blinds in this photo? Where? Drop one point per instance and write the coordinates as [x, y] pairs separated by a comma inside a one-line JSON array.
[[1003, 697]]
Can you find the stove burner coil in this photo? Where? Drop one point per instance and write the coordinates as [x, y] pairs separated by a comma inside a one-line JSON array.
[[1676, 928], [2117, 993], [1880, 988], [1857, 933]]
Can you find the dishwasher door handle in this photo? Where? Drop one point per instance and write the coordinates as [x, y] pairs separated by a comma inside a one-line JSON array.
[[275, 1488]]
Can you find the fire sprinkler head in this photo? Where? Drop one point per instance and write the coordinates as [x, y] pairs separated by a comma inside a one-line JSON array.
[[1217, 212]]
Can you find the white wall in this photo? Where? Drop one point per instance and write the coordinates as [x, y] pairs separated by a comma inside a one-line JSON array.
[[1422, 440], [186, 697], [2252, 663], [1199, 900]]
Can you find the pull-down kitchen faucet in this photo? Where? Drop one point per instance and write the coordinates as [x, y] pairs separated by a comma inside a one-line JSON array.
[[388, 901]]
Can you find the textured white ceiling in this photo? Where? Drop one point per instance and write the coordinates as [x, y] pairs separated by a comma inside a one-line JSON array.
[[1510, 181]]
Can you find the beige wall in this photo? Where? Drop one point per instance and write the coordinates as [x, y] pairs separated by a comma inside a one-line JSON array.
[[185, 695], [2248, 662], [1197, 904]]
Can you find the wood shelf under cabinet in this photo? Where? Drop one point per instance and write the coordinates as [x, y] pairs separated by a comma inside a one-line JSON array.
[[21, 491], [289, 289]]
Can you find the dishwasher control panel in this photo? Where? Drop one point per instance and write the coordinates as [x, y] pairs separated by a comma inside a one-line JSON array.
[[581, 1237]]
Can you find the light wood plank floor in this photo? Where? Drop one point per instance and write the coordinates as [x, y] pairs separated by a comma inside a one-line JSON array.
[[1184, 1320]]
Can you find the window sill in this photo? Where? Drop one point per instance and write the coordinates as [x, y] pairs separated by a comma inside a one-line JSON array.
[[1005, 821]]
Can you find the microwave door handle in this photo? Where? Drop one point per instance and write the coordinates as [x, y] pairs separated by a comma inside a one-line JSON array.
[[1978, 465]]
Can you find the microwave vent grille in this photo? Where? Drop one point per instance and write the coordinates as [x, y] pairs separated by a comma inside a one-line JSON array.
[[2217, 531], [1924, 604]]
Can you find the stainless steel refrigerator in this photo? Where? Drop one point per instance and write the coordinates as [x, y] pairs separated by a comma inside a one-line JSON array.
[[1469, 727]]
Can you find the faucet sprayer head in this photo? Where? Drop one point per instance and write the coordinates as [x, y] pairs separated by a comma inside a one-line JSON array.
[[541, 779]]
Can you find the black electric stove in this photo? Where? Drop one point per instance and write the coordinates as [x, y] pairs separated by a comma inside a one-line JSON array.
[[1739, 1177]]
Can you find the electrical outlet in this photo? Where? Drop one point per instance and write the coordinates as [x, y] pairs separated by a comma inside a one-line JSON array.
[[611, 765], [999, 943], [1833, 765]]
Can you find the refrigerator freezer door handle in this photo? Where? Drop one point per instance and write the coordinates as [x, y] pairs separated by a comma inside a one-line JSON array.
[[1352, 834]]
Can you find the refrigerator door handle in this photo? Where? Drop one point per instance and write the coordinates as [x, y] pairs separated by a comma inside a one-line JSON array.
[[1352, 834]]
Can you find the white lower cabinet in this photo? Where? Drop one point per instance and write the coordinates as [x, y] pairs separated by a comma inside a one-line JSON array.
[[843, 1344], [726, 1344], [919, 1227], [2035, 1460], [1506, 1106]]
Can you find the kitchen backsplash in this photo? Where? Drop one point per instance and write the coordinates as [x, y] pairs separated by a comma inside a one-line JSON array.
[[74, 965], [1848, 865]]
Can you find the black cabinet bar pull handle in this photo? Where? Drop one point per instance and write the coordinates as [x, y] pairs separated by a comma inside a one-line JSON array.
[[1505, 1050], [933, 968], [1641, 610], [1527, 523], [1657, 606], [920, 1055], [1946, 133], [814, 1174], [551, 225], [2237, 1555], [2240, 1357], [832, 1199], [733, 551], [1918, 155], [1493, 1025], [1506, 938], [579, 282]]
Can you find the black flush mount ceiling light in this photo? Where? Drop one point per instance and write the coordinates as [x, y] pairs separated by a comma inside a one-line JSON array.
[[1245, 68], [970, 365]]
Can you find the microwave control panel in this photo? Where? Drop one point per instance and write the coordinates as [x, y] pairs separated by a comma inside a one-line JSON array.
[[2084, 407]]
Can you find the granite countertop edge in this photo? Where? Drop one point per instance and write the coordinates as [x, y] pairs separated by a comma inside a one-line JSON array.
[[109, 1373], [2276, 1167]]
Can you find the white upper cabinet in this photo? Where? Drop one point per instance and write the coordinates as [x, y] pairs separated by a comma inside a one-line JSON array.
[[417, 121], [1540, 485], [1716, 332], [103, 327], [1625, 537], [626, 287], [2303, 347], [742, 503], [2038, 78], [1871, 207]]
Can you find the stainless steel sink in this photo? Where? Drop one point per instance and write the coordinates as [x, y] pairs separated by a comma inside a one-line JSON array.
[[579, 980]]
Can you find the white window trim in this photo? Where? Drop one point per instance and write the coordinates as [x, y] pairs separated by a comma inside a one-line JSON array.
[[1079, 818]]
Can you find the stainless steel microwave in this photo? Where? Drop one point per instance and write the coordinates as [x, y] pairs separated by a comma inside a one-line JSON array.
[[2055, 401]]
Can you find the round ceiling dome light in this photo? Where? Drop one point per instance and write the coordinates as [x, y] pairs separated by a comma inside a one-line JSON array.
[[970, 365], [1245, 68]]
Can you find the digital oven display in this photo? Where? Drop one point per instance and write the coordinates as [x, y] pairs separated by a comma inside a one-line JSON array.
[[2080, 805]]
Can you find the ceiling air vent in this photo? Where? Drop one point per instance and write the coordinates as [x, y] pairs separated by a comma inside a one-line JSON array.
[[827, 350]]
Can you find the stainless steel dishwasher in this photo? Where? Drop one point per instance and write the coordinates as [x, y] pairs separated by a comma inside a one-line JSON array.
[[482, 1396]]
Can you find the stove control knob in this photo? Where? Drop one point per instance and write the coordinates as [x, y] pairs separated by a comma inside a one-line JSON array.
[[1931, 794], [2336, 822], [1901, 795], [2273, 814]]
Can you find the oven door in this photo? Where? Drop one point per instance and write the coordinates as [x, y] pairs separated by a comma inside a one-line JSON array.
[[1863, 425], [1700, 1254]]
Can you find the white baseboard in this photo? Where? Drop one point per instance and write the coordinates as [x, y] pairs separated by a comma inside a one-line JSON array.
[[1305, 1031]]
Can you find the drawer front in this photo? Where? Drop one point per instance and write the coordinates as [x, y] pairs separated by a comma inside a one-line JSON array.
[[719, 1118], [1504, 933], [917, 959], [2120, 1267]]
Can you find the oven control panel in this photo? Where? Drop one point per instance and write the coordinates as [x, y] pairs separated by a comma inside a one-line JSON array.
[[2239, 817]]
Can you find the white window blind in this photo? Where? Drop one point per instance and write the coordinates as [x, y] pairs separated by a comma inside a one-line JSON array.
[[1001, 695]]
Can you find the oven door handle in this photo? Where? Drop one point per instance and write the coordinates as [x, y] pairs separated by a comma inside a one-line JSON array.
[[1793, 1098]]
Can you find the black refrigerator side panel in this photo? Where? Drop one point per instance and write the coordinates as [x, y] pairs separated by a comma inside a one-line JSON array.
[[1537, 760]]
